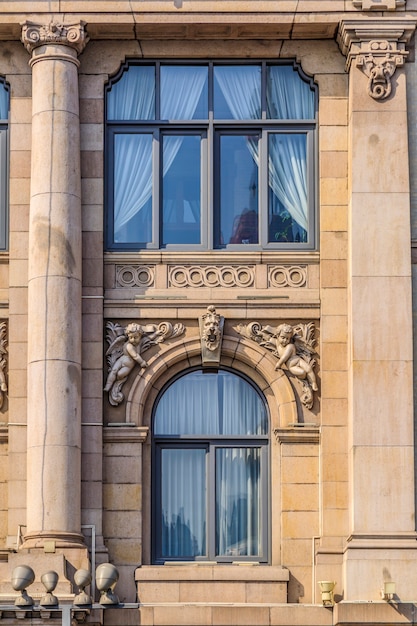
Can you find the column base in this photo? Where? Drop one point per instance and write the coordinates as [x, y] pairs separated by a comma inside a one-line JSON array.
[[50, 541], [369, 560]]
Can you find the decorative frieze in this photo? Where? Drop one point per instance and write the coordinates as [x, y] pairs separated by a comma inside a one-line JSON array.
[[294, 348], [126, 345], [211, 276], [280, 276], [377, 48], [72, 35], [135, 275]]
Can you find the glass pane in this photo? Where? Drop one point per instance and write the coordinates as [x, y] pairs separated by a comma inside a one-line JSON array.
[[184, 92], [288, 202], [181, 192], [4, 102], [133, 96], [288, 95], [132, 188], [183, 502], [237, 92], [210, 404], [238, 189], [238, 502]]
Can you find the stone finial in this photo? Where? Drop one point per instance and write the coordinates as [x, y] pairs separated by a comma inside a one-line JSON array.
[[377, 5], [211, 333], [378, 49], [294, 348], [126, 345], [72, 35]]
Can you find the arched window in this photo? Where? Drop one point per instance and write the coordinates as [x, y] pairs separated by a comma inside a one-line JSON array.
[[210, 471]]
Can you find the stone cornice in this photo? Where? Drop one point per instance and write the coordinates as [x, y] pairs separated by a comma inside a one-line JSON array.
[[71, 35], [355, 36]]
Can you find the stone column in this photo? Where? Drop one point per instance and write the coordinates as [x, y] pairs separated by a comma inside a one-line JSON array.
[[382, 543], [54, 290]]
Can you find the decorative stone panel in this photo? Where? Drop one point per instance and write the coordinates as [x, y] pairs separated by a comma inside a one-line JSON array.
[[280, 276], [135, 275], [211, 276]]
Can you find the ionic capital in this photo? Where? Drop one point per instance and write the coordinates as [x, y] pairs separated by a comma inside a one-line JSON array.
[[377, 48], [71, 35]]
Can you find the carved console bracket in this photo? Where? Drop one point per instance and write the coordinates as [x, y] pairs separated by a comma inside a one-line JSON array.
[[211, 333], [377, 5], [126, 345], [377, 48], [293, 346]]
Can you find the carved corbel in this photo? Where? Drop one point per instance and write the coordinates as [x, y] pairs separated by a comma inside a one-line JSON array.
[[293, 346], [378, 49], [126, 346], [211, 333]]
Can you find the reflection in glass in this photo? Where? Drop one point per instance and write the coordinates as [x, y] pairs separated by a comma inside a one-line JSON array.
[[183, 502], [181, 189], [238, 189], [4, 102], [287, 184], [238, 502], [184, 92], [133, 188], [237, 92]]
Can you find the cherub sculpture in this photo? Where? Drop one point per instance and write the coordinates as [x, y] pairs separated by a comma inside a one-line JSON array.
[[125, 350], [294, 347]]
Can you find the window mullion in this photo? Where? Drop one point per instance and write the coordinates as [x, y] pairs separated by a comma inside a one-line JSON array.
[[156, 185]]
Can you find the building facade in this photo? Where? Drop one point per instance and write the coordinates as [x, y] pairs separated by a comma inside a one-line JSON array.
[[207, 225]]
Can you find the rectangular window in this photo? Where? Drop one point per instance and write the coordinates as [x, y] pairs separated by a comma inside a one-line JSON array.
[[211, 156]]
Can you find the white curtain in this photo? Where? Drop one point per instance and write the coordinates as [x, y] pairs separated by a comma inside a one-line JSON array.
[[238, 505], [180, 93], [288, 97], [204, 405]]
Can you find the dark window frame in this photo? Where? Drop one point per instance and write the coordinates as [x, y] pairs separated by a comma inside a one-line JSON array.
[[4, 173], [211, 443], [209, 168]]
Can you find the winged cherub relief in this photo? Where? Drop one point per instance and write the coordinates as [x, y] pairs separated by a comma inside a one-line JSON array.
[[126, 345], [294, 348]]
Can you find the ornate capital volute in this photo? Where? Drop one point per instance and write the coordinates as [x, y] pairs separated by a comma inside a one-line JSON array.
[[378, 48], [72, 35]]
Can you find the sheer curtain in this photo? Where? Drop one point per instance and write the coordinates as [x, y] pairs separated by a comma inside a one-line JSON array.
[[288, 97], [210, 405], [134, 99]]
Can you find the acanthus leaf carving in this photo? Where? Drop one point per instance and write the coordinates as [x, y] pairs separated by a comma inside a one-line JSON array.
[[294, 347], [126, 345], [72, 35]]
